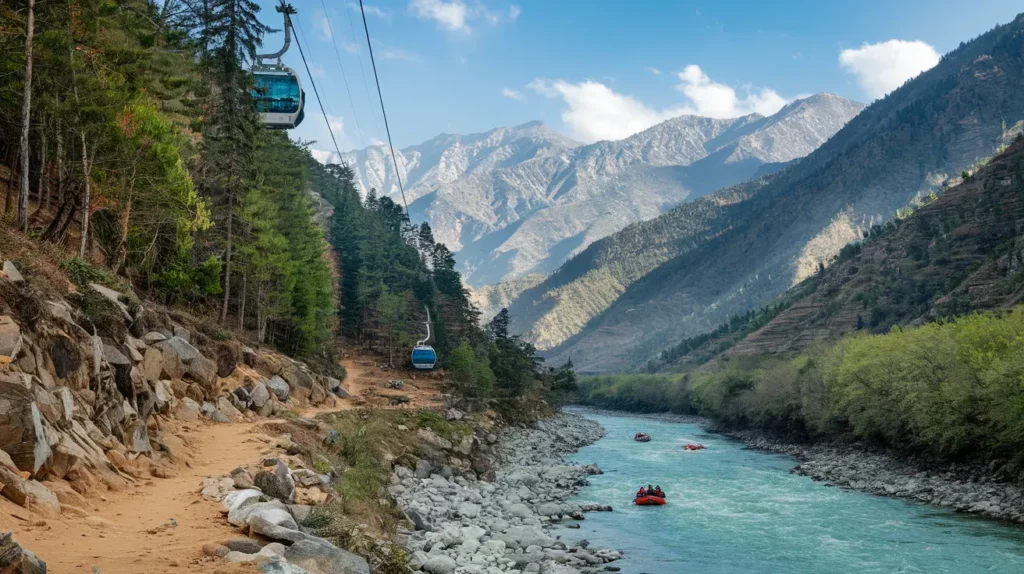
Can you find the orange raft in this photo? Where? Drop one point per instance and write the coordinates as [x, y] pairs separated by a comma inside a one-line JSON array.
[[648, 500]]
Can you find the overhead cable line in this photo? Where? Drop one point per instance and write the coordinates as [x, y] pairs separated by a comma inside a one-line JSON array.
[[362, 70], [317, 94], [383, 113], [344, 77]]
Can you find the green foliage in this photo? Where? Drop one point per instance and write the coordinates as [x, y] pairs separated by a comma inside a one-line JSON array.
[[470, 372], [947, 389]]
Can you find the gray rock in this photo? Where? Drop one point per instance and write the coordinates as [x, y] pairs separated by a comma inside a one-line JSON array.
[[10, 337], [114, 356], [468, 509], [185, 351], [219, 417], [300, 511], [244, 545], [225, 406], [276, 483], [423, 468], [114, 297], [186, 410], [325, 559], [202, 369], [12, 273], [279, 387], [272, 512], [17, 560], [153, 337], [440, 564], [259, 395]]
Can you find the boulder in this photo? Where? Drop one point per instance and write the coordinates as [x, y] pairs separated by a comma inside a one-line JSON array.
[[277, 482], [114, 297], [279, 387], [12, 273], [263, 527], [242, 397], [440, 564], [182, 333], [186, 410], [325, 559], [164, 396], [114, 356], [64, 354], [203, 370], [153, 337], [17, 560], [297, 378], [243, 545], [272, 512], [152, 364], [23, 431], [228, 356], [10, 339], [259, 395], [229, 410], [185, 351], [237, 499], [41, 499], [171, 366], [468, 509]]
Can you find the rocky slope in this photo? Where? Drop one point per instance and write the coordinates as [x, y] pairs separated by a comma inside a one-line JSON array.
[[522, 200], [898, 149], [91, 376]]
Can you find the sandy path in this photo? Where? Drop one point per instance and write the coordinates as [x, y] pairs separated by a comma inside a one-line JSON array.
[[115, 538]]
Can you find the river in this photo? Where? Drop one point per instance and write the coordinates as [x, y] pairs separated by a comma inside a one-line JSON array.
[[734, 510]]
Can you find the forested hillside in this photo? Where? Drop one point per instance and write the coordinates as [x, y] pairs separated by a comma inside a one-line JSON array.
[[129, 143], [898, 149]]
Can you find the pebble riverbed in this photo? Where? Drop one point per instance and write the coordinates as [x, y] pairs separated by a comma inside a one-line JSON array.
[[467, 526]]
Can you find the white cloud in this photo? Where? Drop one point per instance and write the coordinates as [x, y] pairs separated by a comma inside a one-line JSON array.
[[514, 94], [883, 67], [450, 15], [653, 70], [594, 112], [712, 99], [323, 25], [514, 12], [350, 47]]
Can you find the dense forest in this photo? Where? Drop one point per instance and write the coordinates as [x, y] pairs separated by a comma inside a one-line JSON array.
[[129, 140]]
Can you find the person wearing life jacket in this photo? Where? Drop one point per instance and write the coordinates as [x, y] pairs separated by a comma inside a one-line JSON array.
[[658, 492], [650, 490], [642, 493]]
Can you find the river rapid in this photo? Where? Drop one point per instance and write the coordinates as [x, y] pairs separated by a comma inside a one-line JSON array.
[[735, 510]]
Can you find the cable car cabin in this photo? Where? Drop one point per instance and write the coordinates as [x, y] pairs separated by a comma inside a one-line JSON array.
[[424, 357], [278, 97]]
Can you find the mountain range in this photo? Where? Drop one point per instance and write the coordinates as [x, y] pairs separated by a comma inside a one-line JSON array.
[[520, 201], [623, 300]]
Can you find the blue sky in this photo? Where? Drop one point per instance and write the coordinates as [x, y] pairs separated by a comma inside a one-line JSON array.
[[605, 69]]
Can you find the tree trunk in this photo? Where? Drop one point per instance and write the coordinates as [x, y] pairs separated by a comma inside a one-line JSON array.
[[122, 244], [26, 116], [60, 156], [241, 307], [227, 260], [85, 198], [44, 181]]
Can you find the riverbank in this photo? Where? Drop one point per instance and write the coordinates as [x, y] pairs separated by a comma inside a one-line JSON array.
[[475, 526], [962, 487]]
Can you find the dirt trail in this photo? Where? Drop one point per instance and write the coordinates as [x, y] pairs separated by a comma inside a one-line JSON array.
[[116, 537]]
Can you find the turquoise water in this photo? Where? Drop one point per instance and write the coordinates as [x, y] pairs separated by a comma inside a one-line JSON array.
[[735, 510]]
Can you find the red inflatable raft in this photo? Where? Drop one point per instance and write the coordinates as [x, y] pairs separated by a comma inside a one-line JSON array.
[[692, 446], [648, 500]]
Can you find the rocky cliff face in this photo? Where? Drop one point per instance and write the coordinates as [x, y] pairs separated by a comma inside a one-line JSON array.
[[87, 373], [898, 149], [522, 200]]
